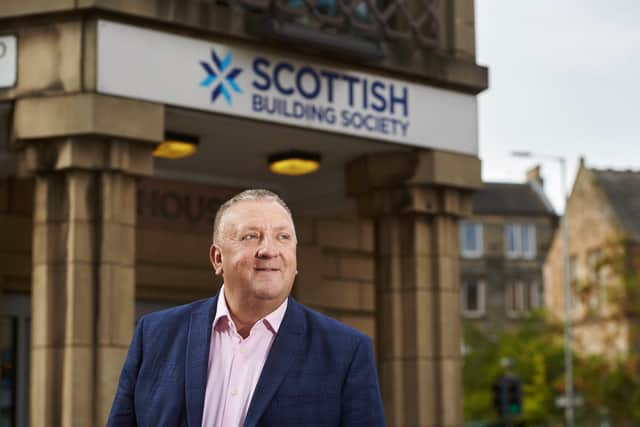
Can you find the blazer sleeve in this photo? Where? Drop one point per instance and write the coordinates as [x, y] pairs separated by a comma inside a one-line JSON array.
[[123, 412], [361, 400]]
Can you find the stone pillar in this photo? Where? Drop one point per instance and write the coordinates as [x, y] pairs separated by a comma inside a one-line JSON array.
[[83, 277], [416, 200]]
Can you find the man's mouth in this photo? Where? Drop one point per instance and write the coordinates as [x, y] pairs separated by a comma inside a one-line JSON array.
[[267, 269]]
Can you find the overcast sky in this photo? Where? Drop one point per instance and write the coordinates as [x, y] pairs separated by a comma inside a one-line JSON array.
[[564, 80]]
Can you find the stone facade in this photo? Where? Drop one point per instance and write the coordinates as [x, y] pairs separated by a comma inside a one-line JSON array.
[[345, 246], [498, 288], [601, 251], [418, 330], [497, 272]]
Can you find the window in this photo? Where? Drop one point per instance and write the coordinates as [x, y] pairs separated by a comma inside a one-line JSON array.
[[473, 298], [327, 7], [574, 277], [8, 329], [523, 297], [512, 240], [330, 7], [528, 240], [573, 269], [535, 295], [520, 240], [470, 239], [515, 298], [598, 295], [15, 343]]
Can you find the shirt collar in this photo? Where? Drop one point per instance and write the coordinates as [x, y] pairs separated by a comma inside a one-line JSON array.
[[271, 320]]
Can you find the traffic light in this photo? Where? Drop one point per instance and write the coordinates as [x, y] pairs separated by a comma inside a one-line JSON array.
[[514, 396], [507, 396]]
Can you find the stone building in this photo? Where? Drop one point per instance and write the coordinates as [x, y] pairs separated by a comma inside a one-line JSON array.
[[503, 246], [101, 222], [603, 214]]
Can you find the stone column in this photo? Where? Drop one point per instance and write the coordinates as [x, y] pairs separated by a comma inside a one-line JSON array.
[[83, 295], [416, 200]]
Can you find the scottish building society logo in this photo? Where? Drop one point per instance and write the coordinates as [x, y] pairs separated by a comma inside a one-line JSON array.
[[222, 76]]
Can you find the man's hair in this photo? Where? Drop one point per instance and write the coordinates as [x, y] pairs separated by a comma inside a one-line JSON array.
[[248, 195]]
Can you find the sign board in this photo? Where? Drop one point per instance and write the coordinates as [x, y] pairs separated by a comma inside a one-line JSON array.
[[563, 401], [276, 87], [8, 61]]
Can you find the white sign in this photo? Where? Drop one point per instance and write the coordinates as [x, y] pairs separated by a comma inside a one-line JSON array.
[[257, 84], [8, 61], [562, 401]]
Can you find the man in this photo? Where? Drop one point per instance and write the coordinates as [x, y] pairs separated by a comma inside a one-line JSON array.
[[250, 356]]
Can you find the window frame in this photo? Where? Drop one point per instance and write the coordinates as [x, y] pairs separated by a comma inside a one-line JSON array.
[[481, 288], [596, 275], [530, 251], [521, 290], [518, 230], [18, 306], [478, 230], [535, 295], [516, 251]]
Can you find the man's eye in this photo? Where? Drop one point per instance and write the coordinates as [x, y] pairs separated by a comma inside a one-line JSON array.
[[250, 236], [284, 236]]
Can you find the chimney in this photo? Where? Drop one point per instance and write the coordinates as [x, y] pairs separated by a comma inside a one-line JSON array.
[[533, 176], [582, 163]]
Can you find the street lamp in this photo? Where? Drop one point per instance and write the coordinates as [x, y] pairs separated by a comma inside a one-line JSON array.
[[568, 337]]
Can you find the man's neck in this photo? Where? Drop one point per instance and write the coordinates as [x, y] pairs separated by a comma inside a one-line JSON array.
[[246, 314]]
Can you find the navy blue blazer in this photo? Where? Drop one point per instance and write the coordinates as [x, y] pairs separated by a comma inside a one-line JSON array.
[[319, 372]]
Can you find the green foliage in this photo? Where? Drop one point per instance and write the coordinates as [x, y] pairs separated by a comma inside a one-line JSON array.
[[535, 347], [609, 384], [611, 389], [608, 389]]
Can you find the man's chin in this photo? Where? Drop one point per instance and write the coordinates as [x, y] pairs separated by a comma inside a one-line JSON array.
[[267, 297], [268, 294], [270, 291]]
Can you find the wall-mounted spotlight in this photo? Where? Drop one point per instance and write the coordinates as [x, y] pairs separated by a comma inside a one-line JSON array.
[[294, 163], [176, 146]]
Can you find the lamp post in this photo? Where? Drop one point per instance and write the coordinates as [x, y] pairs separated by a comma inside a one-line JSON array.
[[568, 337]]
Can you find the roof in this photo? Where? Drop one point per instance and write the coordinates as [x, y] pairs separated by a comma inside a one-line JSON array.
[[622, 189], [511, 199]]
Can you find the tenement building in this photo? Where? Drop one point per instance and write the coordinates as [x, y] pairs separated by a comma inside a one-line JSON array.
[[603, 214], [124, 124], [503, 246]]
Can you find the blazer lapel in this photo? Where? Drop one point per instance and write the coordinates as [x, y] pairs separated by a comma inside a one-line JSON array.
[[284, 351], [197, 361]]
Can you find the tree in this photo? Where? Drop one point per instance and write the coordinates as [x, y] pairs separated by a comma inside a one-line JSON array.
[[610, 381], [535, 348]]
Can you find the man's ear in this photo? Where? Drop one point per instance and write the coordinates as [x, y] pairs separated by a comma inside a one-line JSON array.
[[215, 256]]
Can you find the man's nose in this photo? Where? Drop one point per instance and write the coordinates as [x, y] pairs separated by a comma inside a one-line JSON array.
[[267, 248]]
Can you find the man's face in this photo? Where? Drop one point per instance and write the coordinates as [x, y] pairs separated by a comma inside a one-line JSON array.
[[256, 251]]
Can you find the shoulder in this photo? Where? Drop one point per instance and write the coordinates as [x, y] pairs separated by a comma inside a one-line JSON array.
[[179, 315], [318, 324]]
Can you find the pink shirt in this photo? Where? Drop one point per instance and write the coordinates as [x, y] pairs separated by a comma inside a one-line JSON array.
[[235, 364]]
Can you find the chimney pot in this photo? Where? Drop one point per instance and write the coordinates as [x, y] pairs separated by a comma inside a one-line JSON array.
[[533, 176]]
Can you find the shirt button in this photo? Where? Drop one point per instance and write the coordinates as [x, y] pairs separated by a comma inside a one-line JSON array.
[[234, 392]]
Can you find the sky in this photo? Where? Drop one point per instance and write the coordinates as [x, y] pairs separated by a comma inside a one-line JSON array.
[[564, 80]]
